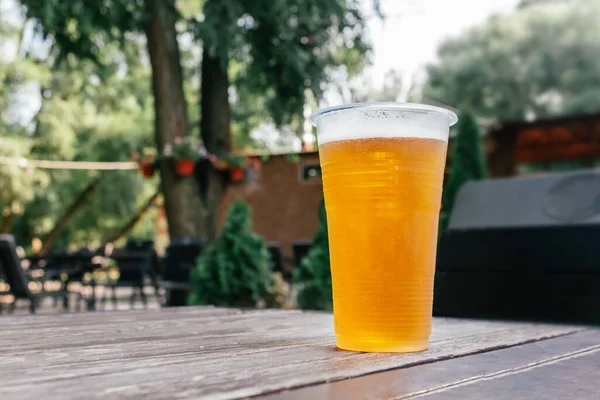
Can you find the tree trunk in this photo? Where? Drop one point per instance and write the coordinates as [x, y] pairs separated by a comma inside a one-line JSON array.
[[51, 236], [6, 224], [182, 200], [132, 222], [215, 130]]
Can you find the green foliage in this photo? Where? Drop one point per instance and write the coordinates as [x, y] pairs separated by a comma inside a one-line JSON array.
[[97, 100], [532, 3], [236, 160], [235, 270], [84, 120], [16, 188], [363, 90], [183, 148], [278, 293], [467, 162], [283, 47], [538, 61], [83, 29], [293, 158], [313, 273], [17, 75], [83, 117], [276, 50]]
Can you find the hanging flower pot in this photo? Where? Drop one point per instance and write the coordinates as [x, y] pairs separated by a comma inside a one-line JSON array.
[[237, 173], [147, 167], [184, 167], [148, 171], [254, 163]]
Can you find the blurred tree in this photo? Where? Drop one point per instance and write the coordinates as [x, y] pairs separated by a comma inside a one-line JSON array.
[[283, 48], [530, 3], [17, 74], [467, 162], [314, 272], [131, 224], [364, 90], [49, 238], [79, 119], [84, 31], [235, 271], [277, 295], [535, 62], [16, 182], [106, 119]]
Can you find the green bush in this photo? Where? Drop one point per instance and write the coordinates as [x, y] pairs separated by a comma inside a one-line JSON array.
[[278, 292], [313, 273], [235, 270]]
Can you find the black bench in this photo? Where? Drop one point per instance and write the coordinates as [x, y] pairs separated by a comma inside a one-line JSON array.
[[17, 279], [134, 268]]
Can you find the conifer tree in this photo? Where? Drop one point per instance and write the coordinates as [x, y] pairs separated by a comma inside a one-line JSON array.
[[235, 270], [314, 272], [467, 162]]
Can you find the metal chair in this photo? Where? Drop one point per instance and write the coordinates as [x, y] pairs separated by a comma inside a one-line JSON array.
[[134, 267], [180, 259], [72, 268], [17, 279], [147, 246]]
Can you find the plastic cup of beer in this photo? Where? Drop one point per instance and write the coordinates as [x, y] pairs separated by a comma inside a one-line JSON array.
[[382, 168]]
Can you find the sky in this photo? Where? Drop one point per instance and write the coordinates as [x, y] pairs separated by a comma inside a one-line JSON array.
[[407, 40]]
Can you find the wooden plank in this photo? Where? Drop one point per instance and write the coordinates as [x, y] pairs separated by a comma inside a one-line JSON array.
[[520, 372], [209, 352], [576, 377]]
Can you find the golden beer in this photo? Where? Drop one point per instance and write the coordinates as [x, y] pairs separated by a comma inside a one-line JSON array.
[[382, 196]]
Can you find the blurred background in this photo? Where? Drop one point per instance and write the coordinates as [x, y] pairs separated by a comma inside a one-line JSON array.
[[140, 128]]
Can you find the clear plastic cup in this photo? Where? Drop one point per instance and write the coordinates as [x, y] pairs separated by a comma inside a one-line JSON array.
[[382, 168]]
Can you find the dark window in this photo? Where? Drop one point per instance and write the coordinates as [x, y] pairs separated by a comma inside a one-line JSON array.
[[310, 173]]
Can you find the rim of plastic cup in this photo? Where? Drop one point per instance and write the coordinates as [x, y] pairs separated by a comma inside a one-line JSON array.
[[384, 105]]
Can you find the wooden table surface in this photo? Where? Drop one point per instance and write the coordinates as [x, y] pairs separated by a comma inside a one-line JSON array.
[[191, 353]]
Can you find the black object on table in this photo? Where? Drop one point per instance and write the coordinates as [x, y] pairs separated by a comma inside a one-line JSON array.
[[523, 248]]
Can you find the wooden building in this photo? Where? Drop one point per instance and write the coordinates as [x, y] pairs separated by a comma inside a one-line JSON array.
[[571, 141], [284, 193]]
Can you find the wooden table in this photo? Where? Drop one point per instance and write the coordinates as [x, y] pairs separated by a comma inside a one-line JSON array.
[[191, 353]]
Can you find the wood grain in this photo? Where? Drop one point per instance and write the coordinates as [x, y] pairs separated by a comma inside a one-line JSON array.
[[491, 375], [210, 353], [577, 377]]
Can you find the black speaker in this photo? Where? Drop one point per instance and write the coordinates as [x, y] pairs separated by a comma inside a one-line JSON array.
[[524, 248]]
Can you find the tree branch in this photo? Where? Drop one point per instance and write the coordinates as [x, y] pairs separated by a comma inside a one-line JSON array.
[[51, 236], [133, 222]]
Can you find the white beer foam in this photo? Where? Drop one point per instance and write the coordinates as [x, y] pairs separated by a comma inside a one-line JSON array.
[[393, 121]]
